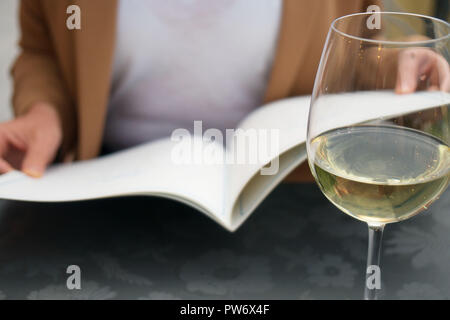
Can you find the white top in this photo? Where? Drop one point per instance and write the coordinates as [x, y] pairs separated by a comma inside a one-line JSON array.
[[177, 61]]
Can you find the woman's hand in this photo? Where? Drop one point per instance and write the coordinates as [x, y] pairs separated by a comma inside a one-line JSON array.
[[30, 142], [422, 68]]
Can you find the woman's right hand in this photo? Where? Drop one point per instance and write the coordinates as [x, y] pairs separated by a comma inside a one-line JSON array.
[[30, 142]]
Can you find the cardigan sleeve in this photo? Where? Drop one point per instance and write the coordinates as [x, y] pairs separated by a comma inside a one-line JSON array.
[[36, 74]]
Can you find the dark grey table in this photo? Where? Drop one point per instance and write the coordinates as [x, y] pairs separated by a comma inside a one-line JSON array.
[[295, 246]]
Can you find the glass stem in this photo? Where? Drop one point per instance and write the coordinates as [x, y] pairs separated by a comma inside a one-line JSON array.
[[373, 271]]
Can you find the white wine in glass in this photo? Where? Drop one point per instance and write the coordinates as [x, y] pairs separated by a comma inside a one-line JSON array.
[[376, 181], [394, 161]]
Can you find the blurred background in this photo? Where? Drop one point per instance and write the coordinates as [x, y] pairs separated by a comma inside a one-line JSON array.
[[9, 35]]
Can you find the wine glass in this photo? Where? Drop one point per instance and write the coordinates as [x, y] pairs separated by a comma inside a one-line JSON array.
[[379, 124]]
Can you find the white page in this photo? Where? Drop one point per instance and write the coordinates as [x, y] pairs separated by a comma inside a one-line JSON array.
[[350, 108], [288, 117], [140, 170]]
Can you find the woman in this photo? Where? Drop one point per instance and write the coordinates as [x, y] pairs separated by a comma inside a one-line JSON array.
[[138, 69]]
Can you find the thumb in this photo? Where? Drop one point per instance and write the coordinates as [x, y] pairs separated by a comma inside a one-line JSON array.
[[37, 157]]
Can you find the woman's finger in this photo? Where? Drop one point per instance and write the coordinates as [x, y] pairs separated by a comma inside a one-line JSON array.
[[443, 71], [5, 166], [37, 157], [15, 141], [408, 72]]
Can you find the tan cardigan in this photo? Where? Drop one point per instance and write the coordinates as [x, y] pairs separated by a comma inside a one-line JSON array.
[[71, 69]]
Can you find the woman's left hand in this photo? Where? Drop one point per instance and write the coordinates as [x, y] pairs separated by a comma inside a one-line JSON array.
[[422, 68]]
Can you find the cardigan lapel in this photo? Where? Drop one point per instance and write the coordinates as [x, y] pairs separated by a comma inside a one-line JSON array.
[[297, 27], [94, 48]]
